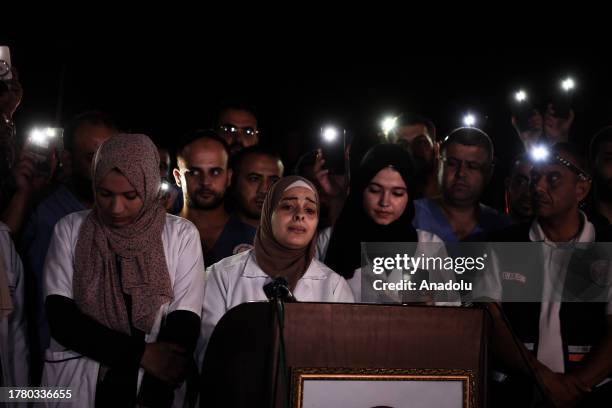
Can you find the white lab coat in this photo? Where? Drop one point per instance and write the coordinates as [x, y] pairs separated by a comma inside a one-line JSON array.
[[238, 279], [14, 355], [183, 252], [423, 237]]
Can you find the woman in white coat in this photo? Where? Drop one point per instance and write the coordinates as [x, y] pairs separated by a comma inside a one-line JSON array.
[[124, 288], [284, 247], [13, 345]]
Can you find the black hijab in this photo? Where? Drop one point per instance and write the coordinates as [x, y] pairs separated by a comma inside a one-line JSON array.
[[355, 226]]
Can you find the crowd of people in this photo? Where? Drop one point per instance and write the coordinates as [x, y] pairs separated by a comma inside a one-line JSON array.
[[118, 256]]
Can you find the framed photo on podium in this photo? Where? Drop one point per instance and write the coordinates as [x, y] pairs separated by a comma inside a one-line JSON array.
[[382, 388]]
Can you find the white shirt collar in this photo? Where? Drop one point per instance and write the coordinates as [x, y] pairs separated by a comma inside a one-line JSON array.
[[586, 234], [252, 269]]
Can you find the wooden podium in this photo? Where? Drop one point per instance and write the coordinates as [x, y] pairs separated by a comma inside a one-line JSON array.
[[241, 363]]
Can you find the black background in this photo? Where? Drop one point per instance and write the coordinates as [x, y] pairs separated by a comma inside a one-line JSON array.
[[165, 88]]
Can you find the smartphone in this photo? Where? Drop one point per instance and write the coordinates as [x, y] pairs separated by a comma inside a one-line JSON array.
[[164, 188], [5, 63], [333, 149], [42, 142]]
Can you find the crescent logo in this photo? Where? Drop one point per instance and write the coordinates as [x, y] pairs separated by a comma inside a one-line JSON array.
[[601, 273], [241, 248]]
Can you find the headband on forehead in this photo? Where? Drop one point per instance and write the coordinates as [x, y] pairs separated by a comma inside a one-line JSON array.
[[299, 183], [582, 175], [557, 159], [551, 155]]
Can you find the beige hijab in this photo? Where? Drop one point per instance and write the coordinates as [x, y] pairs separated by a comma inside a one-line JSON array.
[[99, 287], [273, 258]]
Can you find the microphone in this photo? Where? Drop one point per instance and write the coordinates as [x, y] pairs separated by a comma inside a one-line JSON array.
[[278, 289], [278, 293]]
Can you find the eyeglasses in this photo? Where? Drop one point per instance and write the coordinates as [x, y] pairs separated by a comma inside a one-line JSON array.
[[229, 128], [474, 166]]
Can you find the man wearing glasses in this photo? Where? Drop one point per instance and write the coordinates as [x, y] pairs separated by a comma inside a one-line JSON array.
[[237, 125], [465, 168]]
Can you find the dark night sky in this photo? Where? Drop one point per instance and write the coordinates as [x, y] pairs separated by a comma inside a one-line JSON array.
[[165, 89]]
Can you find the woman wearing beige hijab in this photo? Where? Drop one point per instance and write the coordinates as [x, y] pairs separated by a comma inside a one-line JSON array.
[[123, 287], [284, 247]]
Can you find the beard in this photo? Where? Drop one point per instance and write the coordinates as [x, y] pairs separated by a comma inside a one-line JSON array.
[[251, 211], [215, 199], [423, 165], [250, 207], [235, 148], [522, 209], [464, 197]]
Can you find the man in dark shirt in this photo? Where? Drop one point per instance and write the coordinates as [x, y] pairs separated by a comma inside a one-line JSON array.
[[465, 168], [204, 175], [255, 169]]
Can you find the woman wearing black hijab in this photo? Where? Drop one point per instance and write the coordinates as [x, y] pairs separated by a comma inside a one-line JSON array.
[[379, 208]]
